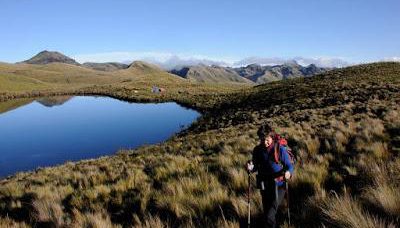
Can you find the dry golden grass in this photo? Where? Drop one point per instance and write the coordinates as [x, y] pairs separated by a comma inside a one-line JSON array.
[[48, 210], [98, 220], [9, 223], [344, 211], [150, 222]]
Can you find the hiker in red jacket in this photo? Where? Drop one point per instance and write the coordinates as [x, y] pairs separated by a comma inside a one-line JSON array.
[[273, 165]]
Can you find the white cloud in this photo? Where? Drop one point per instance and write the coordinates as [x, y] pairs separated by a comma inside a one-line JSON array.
[[323, 61], [320, 61], [260, 60], [120, 56], [171, 60], [163, 59], [178, 62], [392, 59]]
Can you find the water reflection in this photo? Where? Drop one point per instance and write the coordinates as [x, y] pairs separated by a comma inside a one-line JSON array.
[[50, 131]]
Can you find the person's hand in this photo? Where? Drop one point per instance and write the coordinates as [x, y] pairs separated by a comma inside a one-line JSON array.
[[287, 175], [249, 166]]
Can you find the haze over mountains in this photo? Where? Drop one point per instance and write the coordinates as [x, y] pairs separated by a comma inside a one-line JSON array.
[[252, 73], [111, 66], [170, 61]]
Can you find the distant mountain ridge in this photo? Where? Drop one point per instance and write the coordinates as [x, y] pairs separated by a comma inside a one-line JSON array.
[[46, 57], [253, 73], [110, 66], [214, 74], [264, 74]]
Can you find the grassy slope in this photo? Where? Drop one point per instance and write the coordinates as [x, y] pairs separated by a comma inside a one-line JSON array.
[[344, 125], [10, 80]]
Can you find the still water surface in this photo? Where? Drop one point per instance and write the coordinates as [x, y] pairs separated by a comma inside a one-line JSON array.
[[50, 131]]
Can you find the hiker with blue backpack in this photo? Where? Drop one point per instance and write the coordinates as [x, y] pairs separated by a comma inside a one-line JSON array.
[[273, 162]]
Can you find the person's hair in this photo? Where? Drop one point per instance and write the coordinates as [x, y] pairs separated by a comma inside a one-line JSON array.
[[265, 130]]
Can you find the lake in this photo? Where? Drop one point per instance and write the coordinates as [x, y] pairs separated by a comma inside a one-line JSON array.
[[50, 131]]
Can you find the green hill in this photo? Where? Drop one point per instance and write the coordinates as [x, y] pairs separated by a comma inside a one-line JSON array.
[[150, 73], [211, 74], [105, 66], [344, 126], [46, 57]]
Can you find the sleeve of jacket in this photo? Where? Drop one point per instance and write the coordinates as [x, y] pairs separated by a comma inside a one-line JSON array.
[[255, 159], [286, 160]]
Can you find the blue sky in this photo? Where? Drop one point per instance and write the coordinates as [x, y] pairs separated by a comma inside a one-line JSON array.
[[353, 30]]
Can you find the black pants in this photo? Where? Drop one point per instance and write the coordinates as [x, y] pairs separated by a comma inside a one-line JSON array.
[[272, 197]]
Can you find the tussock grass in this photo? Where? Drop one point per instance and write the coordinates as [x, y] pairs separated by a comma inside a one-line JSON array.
[[98, 220], [9, 223], [150, 222], [237, 179], [48, 210], [386, 197], [197, 196], [384, 192], [344, 211]]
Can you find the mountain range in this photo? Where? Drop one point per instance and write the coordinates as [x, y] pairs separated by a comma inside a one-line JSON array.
[[252, 73], [216, 74], [264, 74]]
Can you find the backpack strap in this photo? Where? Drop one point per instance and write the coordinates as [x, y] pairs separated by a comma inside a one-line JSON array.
[[277, 148]]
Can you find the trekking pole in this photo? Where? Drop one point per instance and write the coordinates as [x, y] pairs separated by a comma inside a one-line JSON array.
[[287, 198], [248, 203]]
